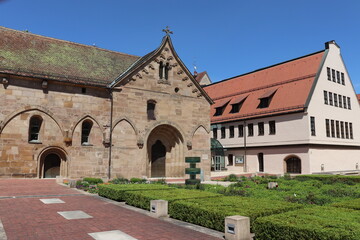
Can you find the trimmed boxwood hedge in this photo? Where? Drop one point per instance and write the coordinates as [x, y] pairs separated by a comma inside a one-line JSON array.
[[330, 178], [352, 204], [211, 212], [93, 180], [142, 199], [323, 223], [117, 191]]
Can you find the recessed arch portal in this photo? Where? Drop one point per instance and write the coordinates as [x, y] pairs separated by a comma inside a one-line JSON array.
[[165, 148], [52, 163]]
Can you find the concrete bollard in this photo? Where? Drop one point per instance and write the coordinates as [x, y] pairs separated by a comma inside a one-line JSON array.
[[272, 185], [159, 208], [72, 183], [237, 228]]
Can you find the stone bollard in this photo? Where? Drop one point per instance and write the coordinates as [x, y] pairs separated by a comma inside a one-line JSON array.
[[59, 179], [159, 208], [237, 228], [72, 183], [272, 185]]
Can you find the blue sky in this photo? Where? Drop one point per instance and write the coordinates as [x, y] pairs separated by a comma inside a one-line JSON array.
[[224, 37]]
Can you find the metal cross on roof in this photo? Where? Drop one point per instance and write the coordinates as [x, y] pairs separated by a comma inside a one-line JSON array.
[[167, 30]]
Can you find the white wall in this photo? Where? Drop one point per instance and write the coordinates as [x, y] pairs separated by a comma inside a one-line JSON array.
[[290, 129], [321, 111]]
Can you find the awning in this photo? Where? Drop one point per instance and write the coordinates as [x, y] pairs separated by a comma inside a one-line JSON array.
[[268, 93], [216, 148], [238, 99], [221, 103]]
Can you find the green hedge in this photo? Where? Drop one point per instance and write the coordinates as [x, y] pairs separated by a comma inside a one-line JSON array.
[[93, 181], [142, 199], [352, 204], [321, 223], [117, 191], [211, 212], [330, 178]]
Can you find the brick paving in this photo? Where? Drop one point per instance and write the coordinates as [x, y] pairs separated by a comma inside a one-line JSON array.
[[30, 219]]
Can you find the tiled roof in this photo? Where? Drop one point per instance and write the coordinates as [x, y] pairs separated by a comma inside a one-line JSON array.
[[358, 97], [27, 54], [291, 81]]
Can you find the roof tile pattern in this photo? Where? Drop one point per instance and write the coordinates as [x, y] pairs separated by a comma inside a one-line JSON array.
[[292, 81], [28, 54]]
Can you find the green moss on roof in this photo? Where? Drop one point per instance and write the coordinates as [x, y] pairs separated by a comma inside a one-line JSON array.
[[29, 53]]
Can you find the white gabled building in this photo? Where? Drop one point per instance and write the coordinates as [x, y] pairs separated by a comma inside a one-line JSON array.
[[299, 116]]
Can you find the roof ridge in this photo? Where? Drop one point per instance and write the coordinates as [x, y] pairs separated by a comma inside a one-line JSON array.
[[261, 69], [66, 41]]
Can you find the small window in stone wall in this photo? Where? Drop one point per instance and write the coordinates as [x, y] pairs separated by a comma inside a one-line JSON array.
[[34, 129], [151, 104], [85, 132]]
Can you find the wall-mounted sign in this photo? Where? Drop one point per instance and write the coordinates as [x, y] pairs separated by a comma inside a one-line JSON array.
[[239, 159]]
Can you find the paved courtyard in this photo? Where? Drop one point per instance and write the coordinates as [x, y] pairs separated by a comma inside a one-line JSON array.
[[34, 209]]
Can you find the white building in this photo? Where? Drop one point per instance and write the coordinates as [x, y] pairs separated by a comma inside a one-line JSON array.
[[299, 116]]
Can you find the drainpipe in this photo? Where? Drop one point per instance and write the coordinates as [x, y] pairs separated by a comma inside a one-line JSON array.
[[245, 162], [111, 129]]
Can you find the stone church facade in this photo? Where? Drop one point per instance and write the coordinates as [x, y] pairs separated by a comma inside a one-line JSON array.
[[74, 111]]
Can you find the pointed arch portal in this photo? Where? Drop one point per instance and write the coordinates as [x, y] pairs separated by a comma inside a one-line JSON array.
[[165, 146]]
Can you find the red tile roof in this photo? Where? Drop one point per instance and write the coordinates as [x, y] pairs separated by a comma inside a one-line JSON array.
[[292, 81], [358, 97], [27, 54]]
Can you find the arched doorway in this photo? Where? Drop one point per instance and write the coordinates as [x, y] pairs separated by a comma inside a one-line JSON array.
[[52, 163], [52, 166], [293, 165], [158, 156], [165, 150]]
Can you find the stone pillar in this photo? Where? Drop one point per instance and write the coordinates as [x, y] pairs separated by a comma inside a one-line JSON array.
[[159, 208], [72, 183], [237, 228], [272, 185]]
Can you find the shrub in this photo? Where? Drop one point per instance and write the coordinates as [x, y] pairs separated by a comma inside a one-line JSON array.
[[231, 178], [93, 181], [351, 204], [142, 198], [211, 212], [82, 185], [325, 223], [330, 179], [138, 180], [117, 191], [119, 181]]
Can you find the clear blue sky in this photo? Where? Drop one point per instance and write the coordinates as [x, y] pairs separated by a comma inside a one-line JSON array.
[[224, 37]]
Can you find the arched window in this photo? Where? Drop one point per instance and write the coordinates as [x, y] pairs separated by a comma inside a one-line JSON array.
[[167, 67], [151, 110], [34, 128], [261, 162], [85, 132], [161, 70], [293, 165]]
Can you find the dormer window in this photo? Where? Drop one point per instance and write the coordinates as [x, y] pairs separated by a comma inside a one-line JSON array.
[[220, 107], [151, 104], [266, 99], [236, 104]]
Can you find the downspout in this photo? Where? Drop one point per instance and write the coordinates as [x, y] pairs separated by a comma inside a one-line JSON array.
[[111, 129]]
